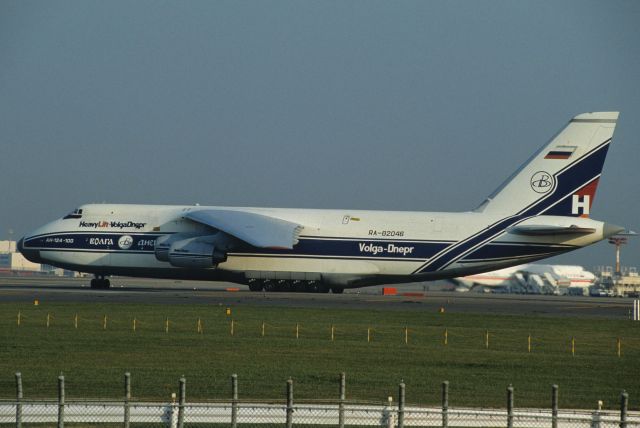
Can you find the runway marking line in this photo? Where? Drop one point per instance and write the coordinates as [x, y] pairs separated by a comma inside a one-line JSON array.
[[402, 299], [600, 305]]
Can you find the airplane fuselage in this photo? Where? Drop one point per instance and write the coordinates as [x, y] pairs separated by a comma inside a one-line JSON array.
[[541, 210], [346, 247]]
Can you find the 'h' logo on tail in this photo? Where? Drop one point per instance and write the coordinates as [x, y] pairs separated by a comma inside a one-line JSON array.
[[577, 205]]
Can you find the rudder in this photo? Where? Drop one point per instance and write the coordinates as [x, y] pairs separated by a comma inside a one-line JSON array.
[[562, 177]]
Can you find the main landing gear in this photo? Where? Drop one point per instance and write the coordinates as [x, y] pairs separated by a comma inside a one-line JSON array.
[[292, 286], [100, 283]]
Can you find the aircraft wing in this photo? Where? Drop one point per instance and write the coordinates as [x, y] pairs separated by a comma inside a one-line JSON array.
[[538, 230], [255, 229]]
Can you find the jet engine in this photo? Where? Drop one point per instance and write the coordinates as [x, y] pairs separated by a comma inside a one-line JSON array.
[[189, 251], [163, 243]]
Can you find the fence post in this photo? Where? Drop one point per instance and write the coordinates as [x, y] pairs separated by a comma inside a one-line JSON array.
[[181, 401], [234, 400], [595, 417], [510, 406], [388, 416], [401, 398], [290, 403], [445, 404], [61, 401], [18, 400], [624, 405], [554, 406], [343, 395], [127, 398]]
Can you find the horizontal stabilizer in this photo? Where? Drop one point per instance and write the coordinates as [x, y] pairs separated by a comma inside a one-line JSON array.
[[539, 230], [256, 229]]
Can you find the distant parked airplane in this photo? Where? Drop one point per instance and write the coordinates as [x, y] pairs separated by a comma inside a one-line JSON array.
[[532, 278], [540, 211]]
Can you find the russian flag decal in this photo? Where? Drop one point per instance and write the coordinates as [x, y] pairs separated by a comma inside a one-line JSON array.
[[561, 152]]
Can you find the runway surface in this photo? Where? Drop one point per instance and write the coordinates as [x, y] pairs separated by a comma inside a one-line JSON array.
[[128, 290]]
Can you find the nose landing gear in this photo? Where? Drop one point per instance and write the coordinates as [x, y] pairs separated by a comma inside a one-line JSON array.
[[100, 283]]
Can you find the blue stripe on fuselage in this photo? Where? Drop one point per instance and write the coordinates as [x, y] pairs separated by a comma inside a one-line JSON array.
[[308, 247], [141, 242], [499, 250]]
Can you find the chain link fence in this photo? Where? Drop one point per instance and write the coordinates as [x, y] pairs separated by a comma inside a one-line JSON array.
[[340, 413], [109, 413]]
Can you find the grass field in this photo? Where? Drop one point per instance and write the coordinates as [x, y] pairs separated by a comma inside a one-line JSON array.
[[93, 359]]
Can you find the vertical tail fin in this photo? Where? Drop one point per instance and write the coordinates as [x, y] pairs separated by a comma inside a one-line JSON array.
[[562, 177]]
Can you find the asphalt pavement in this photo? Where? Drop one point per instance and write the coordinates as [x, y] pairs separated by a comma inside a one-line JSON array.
[[129, 290]]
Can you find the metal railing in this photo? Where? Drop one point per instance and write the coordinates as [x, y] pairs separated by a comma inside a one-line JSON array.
[[178, 413]]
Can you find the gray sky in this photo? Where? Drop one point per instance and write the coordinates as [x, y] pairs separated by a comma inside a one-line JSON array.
[[422, 105]]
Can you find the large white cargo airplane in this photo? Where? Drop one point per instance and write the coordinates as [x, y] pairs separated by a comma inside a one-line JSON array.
[[532, 278], [540, 211]]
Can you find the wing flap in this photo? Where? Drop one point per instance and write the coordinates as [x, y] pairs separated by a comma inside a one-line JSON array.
[[540, 230], [256, 229]]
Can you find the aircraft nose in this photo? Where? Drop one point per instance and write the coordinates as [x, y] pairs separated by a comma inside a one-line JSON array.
[[31, 255]]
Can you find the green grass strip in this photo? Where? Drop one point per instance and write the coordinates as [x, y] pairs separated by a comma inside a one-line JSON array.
[[376, 349]]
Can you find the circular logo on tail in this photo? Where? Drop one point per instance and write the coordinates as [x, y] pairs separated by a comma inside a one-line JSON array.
[[541, 182]]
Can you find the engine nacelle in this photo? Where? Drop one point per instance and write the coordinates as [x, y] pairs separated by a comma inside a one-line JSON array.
[[163, 244], [195, 253]]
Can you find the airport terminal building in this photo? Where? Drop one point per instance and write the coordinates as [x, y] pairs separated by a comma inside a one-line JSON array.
[[14, 263]]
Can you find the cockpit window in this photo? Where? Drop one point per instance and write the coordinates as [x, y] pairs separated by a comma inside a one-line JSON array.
[[77, 213]]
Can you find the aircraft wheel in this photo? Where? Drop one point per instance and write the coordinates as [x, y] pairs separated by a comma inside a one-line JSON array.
[[323, 288], [310, 287], [283, 285], [296, 286], [255, 286], [337, 290], [100, 284]]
